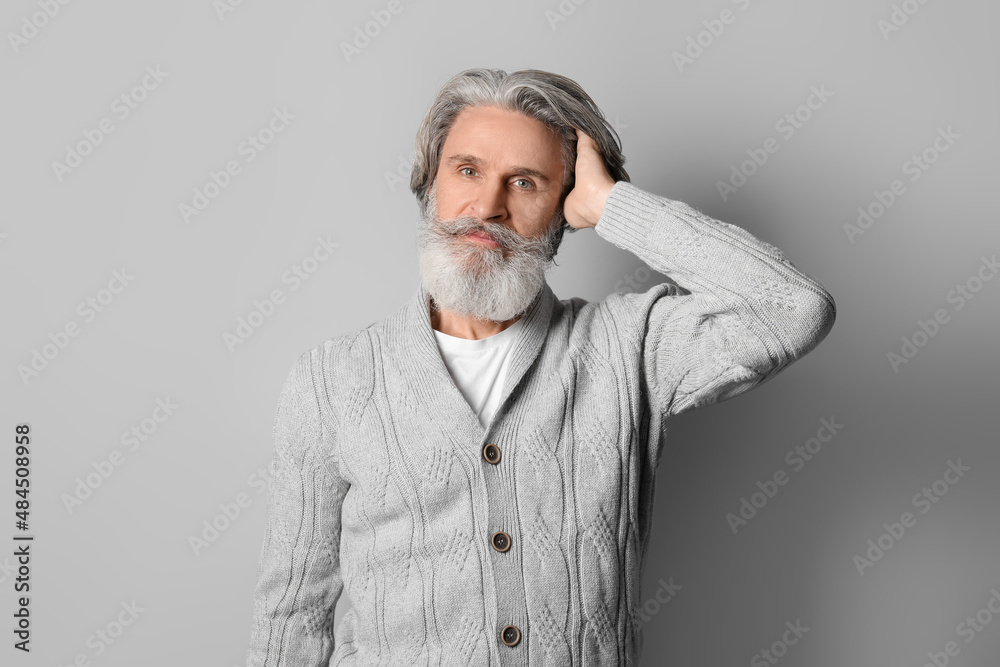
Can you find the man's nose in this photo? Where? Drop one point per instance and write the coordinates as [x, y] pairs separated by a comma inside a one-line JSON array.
[[491, 202]]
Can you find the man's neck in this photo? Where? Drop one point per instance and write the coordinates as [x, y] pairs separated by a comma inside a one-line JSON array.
[[455, 325]]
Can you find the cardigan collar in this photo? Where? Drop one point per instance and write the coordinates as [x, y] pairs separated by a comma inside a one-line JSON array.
[[421, 350]]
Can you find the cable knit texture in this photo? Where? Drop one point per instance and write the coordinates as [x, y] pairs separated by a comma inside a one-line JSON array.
[[380, 488]]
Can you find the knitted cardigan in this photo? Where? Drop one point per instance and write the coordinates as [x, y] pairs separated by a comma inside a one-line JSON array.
[[523, 543]]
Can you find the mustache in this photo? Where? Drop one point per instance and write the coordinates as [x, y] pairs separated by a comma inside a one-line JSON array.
[[505, 237]]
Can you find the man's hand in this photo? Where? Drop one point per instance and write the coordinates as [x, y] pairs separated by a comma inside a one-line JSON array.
[[585, 203]]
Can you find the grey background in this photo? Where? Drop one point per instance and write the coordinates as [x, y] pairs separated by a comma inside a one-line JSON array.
[[325, 175]]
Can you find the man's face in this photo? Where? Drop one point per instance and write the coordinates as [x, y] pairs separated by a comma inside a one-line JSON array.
[[492, 213]]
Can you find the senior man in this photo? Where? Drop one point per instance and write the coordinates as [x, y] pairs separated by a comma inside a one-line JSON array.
[[477, 469]]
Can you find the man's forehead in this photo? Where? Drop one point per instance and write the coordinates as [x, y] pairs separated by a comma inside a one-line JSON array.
[[484, 135]]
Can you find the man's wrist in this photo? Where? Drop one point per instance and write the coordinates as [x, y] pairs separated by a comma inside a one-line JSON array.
[[603, 202]]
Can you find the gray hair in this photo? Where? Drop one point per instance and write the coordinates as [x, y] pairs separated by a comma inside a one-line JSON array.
[[555, 100]]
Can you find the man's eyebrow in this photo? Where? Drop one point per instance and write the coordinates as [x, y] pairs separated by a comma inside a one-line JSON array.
[[520, 171]]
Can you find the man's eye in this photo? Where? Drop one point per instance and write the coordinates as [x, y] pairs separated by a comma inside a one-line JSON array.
[[465, 169], [527, 184]]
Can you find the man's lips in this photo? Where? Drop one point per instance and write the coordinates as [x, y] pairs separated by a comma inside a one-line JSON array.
[[482, 238]]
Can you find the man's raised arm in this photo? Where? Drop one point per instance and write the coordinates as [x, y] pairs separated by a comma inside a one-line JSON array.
[[298, 576], [744, 311]]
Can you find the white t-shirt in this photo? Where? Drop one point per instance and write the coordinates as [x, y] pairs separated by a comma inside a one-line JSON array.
[[479, 367]]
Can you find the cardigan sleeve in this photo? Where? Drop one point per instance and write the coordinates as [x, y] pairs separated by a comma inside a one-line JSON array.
[[738, 312], [298, 576]]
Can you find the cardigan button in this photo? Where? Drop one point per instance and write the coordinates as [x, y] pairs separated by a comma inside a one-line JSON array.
[[501, 541], [510, 635], [491, 453]]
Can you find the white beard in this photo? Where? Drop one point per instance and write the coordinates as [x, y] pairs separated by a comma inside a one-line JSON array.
[[477, 281]]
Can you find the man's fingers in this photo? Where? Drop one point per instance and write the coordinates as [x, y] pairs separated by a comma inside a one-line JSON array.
[[586, 141]]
